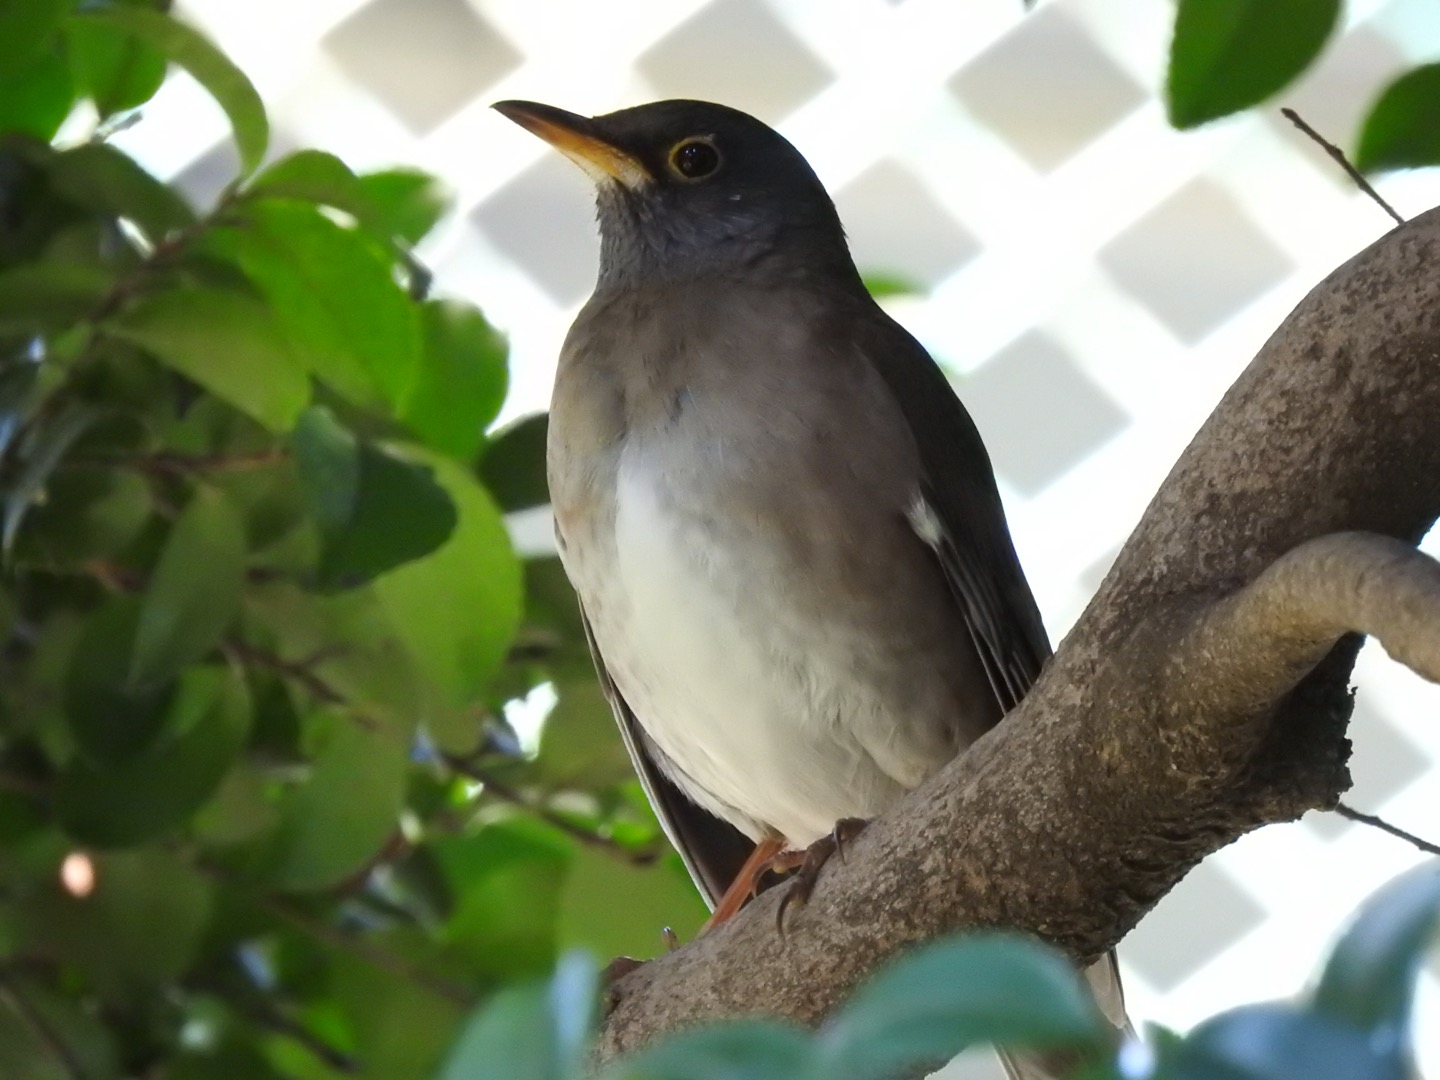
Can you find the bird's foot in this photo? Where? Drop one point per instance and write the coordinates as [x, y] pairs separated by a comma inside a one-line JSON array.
[[746, 882], [812, 861]]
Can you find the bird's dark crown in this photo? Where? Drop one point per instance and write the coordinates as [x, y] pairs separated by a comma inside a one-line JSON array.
[[725, 192]]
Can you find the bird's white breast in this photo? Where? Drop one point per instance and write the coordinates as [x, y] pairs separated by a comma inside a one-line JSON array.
[[751, 703]]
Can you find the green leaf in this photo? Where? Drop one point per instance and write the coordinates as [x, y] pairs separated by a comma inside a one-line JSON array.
[[505, 880], [147, 795], [1227, 55], [655, 897], [230, 344], [194, 593], [44, 296], [211, 68], [1370, 977], [26, 29], [537, 1031], [1279, 1042], [513, 467], [335, 822], [327, 463], [931, 1004], [334, 293], [880, 285], [110, 720], [1402, 130], [406, 202], [738, 1050], [41, 451], [100, 177], [460, 382], [140, 926], [36, 99], [457, 609], [116, 70], [376, 511]]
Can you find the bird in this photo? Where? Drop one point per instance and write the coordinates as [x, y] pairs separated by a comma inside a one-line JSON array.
[[783, 528]]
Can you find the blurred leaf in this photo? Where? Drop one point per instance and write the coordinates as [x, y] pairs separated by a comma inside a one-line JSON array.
[[109, 720], [506, 880], [513, 467], [656, 897], [35, 99], [1402, 130], [41, 296], [339, 818], [211, 68], [41, 451], [140, 926], [375, 510], [460, 381], [1370, 978], [536, 1031], [87, 515], [1227, 55], [100, 177], [26, 1055], [116, 70], [327, 463], [738, 1050], [26, 29], [881, 285], [312, 176], [149, 794], [457, 609], [405, 202], [228, 343], [333, 292], [934, 1002], [1278, 1042], [194, 593]]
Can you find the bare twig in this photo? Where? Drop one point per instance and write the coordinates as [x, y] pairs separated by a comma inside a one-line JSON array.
[[169, 463], [1343, 161], [1385, 827]]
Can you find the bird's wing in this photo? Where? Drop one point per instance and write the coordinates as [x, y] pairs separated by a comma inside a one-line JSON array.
[[959, 514], [713, 850]]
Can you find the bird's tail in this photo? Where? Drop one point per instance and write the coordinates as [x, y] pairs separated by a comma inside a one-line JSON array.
[[1103, 978]]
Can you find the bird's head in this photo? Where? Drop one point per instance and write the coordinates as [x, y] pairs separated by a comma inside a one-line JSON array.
[[688, 189]]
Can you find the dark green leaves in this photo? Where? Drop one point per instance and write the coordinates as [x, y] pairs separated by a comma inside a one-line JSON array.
[[194, 593], [227, 342], [210, 67], [375, 510], [461, 380], [931, 1005], [1403, 128], [1227, 55]]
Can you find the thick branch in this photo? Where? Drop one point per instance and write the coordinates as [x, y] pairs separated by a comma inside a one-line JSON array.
[[1179, 713]]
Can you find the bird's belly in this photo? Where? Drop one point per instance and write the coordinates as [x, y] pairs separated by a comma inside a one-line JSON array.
[[762, 712]]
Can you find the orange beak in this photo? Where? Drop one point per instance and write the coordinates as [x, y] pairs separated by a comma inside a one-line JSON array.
[[578, 138]]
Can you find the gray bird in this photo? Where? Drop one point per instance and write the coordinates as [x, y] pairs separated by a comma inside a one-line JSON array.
[[782, 525]]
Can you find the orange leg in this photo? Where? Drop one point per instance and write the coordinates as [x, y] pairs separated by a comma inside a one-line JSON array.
[[746, 881]]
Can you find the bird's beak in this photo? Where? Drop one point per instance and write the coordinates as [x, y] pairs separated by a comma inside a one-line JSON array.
[[579, 139]]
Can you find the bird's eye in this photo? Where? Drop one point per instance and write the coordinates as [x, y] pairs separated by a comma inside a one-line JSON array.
[[695, 159]]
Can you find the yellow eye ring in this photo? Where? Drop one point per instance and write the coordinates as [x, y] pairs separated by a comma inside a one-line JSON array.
[[694, 158]]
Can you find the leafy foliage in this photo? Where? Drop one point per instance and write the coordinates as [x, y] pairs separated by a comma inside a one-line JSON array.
[[261, 813], [1229, 55]]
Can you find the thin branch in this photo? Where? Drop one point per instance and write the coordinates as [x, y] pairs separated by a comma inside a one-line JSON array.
[[1343, 161], [514, 797], [339, 940], [38, 1026], [260, 1010], [168, 463], [1385, 827]]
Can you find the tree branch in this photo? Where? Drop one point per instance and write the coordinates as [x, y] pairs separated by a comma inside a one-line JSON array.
[[1203, 693]]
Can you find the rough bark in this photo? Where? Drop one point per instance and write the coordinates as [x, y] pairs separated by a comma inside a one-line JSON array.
[[1203, 693]]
